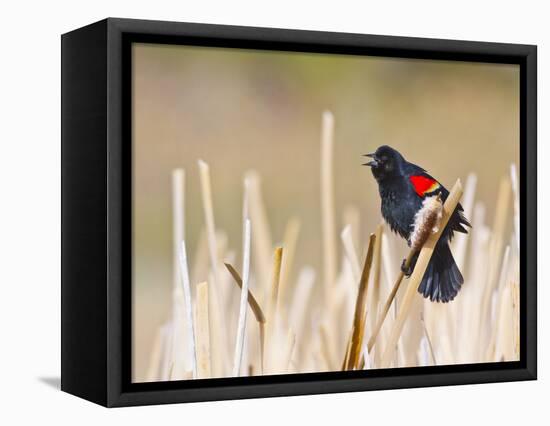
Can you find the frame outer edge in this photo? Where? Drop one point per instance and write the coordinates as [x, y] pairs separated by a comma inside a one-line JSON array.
[[116, 393], [114, 210], [531, 209], [83, 209]]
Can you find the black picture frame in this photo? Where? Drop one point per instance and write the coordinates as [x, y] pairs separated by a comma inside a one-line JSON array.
[[96, 207]]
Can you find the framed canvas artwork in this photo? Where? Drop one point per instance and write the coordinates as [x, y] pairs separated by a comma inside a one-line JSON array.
[[252, 212]]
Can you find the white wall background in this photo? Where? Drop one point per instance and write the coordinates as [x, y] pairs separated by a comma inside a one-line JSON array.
[[30, 211]]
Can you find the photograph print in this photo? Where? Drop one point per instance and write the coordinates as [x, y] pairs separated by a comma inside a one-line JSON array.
[[309, 212]]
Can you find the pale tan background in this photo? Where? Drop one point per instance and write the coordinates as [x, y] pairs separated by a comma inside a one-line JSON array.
[[239, 110]]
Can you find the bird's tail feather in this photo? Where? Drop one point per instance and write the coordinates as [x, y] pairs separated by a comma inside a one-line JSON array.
[[442, 279]]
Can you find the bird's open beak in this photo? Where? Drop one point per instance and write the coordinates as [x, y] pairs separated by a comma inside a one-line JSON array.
[[372, 163]]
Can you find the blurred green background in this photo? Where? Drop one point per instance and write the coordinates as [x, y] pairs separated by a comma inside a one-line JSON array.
[[244, 109]]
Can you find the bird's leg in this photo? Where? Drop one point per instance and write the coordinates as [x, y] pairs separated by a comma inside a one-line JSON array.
[[408, 269]]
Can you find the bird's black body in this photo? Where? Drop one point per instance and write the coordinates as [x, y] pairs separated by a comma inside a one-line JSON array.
[[403, 187]]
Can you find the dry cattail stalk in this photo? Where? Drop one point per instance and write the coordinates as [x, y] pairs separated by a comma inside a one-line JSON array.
[[389, 260], [275, 278], [359, 317], [203, 332], [220, 343], [199, 270], [258, 313], [184, 274], [272, 310], [426, 221], [239, 344], [418, 273], [252, 301], [230, 296], [178, 219], [327, 202], [374, 298], [290, 239], [346, 362], [389, 300], [206, 191], [180, 359]]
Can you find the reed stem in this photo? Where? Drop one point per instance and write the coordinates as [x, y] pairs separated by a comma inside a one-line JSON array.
[[416, 277], [389, 301], [359, 317], [184, 274], [241, 328], [203, 332]]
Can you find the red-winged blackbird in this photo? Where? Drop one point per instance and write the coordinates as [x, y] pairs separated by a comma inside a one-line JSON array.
[[403, 186]]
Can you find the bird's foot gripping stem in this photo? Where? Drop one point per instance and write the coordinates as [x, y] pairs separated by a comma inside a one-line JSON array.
[[407, 269]]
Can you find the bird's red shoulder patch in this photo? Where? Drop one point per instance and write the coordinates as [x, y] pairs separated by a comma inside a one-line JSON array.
[[423, 185]]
